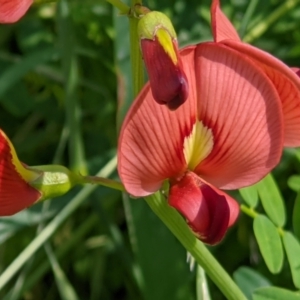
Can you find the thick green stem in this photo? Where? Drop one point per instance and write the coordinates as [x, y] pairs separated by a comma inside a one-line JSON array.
[[263, 26], [180, 229], [135, 54]]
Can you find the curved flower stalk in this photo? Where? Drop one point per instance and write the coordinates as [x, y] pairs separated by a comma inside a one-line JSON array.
[[283, 78], [227, 135], [21, 185], [13, 10]]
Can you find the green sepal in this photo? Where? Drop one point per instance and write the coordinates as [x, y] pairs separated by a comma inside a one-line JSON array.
[[151, 22], [54, 180]]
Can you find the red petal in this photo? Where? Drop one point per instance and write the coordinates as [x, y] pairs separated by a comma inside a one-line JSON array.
[[151, 139], [285, 81], [221, 26], [164, 73], [12, 10], [241, 106], [15, 193], [209, 212]]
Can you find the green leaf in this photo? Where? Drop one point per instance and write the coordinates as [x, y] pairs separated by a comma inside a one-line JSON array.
[[296, 216], [249, 280], [250, 195], [294, 183], [272, 200], [292, 249], [269, 243], [275, 293]]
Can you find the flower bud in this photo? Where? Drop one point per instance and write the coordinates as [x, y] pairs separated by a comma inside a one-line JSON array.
[[208, 211], [159, 47]]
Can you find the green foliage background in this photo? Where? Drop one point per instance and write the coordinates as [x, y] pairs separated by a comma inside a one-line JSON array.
[[64, 85]]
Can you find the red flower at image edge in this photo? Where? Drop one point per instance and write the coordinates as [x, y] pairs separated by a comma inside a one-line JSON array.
[[15, 191], [12, 10]]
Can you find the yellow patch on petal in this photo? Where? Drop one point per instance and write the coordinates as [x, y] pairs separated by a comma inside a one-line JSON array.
[[26, 174], [198, 145], [166, 42]]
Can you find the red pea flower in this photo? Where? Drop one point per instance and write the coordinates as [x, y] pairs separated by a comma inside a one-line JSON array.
[[22, 186], [243, 107], [284, 79], [227, 135], [13, 10]]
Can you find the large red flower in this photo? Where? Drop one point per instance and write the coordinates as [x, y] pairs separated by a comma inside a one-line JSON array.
[[12, 10], [243, 106]]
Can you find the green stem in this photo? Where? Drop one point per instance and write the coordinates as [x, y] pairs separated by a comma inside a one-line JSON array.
[[135, 54], [123, 8], [262, 27], [116, 185], [281, 231], [50, 229], [180, 229], [248, 211]]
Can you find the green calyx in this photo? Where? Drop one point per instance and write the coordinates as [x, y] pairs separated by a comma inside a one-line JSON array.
[[54, 180], [151, 22]]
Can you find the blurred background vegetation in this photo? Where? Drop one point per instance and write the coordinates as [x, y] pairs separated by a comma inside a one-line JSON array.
[[64, 85]]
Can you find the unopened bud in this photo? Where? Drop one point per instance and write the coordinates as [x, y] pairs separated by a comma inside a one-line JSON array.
[[159, 47]]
